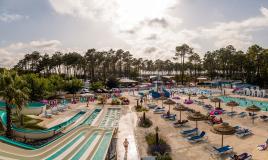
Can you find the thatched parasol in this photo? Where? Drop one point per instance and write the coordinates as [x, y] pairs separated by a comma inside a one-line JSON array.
[[223, 129], [162, 98], [232, 104], [202, 97], [216, 100], [253, 109], [196, 116], [180, 108], [169, 102]]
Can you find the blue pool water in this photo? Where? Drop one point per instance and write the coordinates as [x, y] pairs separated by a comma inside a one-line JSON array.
[[243, 102]]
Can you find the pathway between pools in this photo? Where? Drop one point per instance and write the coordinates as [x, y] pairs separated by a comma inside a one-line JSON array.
[[127, 125]]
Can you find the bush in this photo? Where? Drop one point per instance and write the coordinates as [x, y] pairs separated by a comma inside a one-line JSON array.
[[145, 123], [161, 150], [165, 156], [115, 102], [96, 85], [139, 108]]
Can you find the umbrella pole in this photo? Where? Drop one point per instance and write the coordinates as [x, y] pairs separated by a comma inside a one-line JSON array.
[[180, 116], [222, 140], [162, 103], [196, 127], [252, 117], [169, 108], [232, 112]]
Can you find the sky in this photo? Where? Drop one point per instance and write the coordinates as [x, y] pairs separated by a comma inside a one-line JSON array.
[[149, 29]]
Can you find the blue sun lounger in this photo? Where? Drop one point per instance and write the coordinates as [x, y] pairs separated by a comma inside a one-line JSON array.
[[189, 132], [197, 138], [223, 150]]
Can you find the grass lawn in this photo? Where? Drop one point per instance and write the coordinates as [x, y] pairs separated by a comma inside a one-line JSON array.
[[29, 123]]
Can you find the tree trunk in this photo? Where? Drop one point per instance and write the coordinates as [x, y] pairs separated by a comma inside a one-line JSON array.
[[21, 119], [144, 117], [9, 121], [156, 138], [182, 71]]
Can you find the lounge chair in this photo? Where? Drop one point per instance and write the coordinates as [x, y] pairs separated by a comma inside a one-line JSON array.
[[264, 118], [54, 111], [47, 115], [159, 110], [263, 147], [243, 132], [197, 138], [243, 156], [208, 107], [242, 114], [253, 115], [233, 113], [151, 105], [180, 123], [189, 132], [169, 116], [223, 150]]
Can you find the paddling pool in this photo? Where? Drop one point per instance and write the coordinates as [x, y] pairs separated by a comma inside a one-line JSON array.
[[243, 102]]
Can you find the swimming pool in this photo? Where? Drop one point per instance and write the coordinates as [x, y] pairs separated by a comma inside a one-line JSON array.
[[197, 91], [243, 102], [29, 105]]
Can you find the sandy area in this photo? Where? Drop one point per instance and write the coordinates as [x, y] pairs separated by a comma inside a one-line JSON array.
[[183, 150]]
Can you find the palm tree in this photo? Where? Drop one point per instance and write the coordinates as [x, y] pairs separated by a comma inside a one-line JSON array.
[[20, 101], [12, 95]]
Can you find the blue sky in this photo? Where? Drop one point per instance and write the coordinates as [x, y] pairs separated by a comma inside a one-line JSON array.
[[147, 28]]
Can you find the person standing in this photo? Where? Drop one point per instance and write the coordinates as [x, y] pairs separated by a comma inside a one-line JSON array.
[[126, 145]]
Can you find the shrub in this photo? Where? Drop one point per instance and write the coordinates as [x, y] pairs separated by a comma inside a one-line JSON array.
[[161, 150], [115, 102], [96, 85], [165, 156], [139, 108], [145, 123]]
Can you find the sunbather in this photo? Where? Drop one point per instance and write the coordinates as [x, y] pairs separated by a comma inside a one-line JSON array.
[[263, 147]]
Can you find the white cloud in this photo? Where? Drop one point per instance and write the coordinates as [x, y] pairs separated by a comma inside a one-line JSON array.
[[151, 31], [238, 33], [131, 21], [6, 17], [12, 53]]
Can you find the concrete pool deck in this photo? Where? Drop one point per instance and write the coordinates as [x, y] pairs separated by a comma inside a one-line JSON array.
[[183, 150], [127, 125]]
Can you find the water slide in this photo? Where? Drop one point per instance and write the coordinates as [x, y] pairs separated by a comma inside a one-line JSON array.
[[166, 93], [157, 94], [83, 143]]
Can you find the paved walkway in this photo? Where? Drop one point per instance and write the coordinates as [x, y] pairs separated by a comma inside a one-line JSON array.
[[127, 125]]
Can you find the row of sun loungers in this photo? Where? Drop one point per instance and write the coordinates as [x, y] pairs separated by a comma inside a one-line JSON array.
[[55, 111]]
